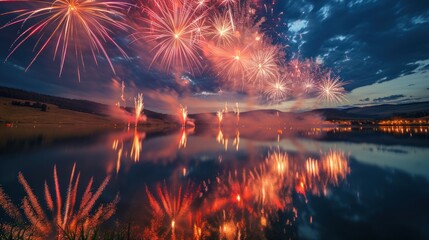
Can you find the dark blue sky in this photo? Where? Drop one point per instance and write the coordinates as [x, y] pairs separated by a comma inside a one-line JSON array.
[[380, 47]]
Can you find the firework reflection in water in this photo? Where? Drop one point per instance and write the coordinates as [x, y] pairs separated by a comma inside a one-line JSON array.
[[64, 216], [170, 209]]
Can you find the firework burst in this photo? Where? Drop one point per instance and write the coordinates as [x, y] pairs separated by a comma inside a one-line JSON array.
[[331, 90], [173, 27], [70, 25], [308, 84], [222, 31], [276, 91], [231, 61]]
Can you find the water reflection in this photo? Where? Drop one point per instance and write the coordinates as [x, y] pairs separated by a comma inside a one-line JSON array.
[[217, 183], [64, 216], [242, 200]]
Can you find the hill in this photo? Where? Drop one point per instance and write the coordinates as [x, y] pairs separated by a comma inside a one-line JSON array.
[[385, 111], [78, 105]]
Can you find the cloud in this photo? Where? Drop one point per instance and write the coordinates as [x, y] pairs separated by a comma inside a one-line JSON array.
[[389, 98], [365, 100], [361, 38]]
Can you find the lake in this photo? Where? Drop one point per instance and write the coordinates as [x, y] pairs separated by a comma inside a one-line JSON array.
[[211, 183]]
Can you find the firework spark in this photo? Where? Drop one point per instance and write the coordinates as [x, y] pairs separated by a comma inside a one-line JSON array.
[[308, 85], [277, 90], [230, 61], [263, 65], [226, 2], [222, 31], [331, 90], [172, 28], [70, 25]]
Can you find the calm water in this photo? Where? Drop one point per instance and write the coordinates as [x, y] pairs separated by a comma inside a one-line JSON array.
[[247, 184]]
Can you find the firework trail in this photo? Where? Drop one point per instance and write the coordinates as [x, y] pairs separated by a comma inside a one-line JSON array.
[[183, 115], [222, 30], [122, 94], [138, 105], [70, 25]]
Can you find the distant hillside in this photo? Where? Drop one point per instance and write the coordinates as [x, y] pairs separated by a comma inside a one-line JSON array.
[[84, 106], [385, 111], [409, 110]]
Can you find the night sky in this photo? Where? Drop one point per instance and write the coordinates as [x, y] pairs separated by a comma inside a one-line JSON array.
[[379, 47]]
